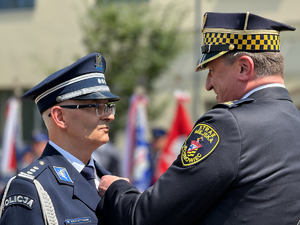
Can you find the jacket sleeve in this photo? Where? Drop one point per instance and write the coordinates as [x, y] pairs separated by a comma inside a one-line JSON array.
[[22, 204], [206, 167]]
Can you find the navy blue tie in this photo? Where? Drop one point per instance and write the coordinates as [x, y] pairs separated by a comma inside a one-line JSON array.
[[88, 174]]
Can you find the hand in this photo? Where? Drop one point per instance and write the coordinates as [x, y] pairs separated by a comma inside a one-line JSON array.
[[106, 181]]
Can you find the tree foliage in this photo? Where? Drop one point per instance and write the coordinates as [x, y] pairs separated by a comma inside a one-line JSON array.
[[138, 43]]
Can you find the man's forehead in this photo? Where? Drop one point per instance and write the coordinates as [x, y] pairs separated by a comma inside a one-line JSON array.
[[214, 62]]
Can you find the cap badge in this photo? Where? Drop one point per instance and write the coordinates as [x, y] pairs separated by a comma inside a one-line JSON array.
[[98, 63]]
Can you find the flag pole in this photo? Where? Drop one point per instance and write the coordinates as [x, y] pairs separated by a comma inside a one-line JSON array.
[[197, 100]]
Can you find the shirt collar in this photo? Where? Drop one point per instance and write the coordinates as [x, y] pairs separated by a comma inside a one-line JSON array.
[[72, 159], [262, 87]]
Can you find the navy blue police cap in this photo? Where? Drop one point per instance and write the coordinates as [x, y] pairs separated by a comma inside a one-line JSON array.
[[224, 32], [158, 132], [39, 137], [83, 80]]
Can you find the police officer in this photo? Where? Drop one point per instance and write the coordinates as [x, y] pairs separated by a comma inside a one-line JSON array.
[[240, 163], [60, 187]]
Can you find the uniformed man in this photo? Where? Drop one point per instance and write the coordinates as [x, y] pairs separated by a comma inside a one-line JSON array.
[[61, 186], [240, 164]]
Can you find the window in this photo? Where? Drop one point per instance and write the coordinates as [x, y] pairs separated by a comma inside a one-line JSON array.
[[16, 4], [120, 1]]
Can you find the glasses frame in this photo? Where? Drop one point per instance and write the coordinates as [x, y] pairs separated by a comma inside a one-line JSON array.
[[110, 105]]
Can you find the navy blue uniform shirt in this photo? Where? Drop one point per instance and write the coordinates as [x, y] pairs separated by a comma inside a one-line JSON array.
[[73, 198], [239, 165]]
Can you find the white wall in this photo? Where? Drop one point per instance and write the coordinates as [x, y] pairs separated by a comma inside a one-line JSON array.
[[34, 42]]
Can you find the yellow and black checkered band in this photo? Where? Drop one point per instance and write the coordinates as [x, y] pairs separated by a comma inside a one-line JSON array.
[[242, 42]]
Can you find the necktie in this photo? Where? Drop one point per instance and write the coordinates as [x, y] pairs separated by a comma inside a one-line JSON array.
[[88, 174]]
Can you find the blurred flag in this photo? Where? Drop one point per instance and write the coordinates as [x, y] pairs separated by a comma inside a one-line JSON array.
[[129, 138], [179, 130], [136, 165], [12, 140]]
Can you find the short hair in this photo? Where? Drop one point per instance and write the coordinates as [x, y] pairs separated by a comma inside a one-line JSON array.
[[265, 63]]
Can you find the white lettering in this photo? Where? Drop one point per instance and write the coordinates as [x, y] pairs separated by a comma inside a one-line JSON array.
[[25, 199], [20, 198], [30, 203], [12, 200]]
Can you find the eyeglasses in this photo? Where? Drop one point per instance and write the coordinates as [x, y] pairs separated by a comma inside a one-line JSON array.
[[101, 108]]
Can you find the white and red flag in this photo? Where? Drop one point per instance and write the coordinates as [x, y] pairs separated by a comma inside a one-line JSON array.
[[11, 138], [179, 130]]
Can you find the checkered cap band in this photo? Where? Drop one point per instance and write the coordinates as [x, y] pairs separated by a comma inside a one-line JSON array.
[[247, 42]]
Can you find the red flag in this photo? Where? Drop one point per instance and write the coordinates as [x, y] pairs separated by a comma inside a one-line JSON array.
[[179, 130], [11, 138]]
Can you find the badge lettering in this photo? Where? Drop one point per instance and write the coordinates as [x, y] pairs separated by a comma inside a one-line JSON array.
[[19, 200], [200, 143], [101, 81], [78, 220]]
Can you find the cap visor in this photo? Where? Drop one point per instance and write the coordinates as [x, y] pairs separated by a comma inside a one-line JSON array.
[[99, 95], [205, 58]]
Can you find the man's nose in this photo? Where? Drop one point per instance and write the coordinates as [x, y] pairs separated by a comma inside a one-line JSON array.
[[208, 84]]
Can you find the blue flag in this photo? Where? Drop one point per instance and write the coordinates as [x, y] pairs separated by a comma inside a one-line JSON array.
[[137, 159]]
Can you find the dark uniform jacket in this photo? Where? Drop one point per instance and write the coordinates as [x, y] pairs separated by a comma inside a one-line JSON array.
[[73, 198], [239, 165]]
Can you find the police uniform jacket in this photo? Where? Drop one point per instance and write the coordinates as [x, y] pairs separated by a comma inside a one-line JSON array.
[[73, 198], [239, 165]]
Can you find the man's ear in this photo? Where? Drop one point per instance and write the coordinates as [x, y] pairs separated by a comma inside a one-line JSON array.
[[58, 117], [246, 68]]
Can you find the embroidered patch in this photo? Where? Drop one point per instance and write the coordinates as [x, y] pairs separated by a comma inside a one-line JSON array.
[[78, 220], [19, 200], [62, 173], [199, 144]]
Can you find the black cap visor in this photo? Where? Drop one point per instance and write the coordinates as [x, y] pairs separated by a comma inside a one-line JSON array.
[[205, 58], [99, 95]]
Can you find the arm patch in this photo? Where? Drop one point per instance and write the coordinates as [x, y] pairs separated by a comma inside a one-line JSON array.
[[19, 199], [201, 142]]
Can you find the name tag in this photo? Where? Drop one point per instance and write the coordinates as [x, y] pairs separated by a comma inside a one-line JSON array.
[[78, 220]]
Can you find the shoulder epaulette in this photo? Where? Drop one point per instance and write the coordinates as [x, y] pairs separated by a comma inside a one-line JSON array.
[[233, 104], [33, 170]]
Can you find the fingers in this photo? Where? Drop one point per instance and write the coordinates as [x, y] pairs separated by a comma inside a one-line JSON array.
[[106, 181]]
